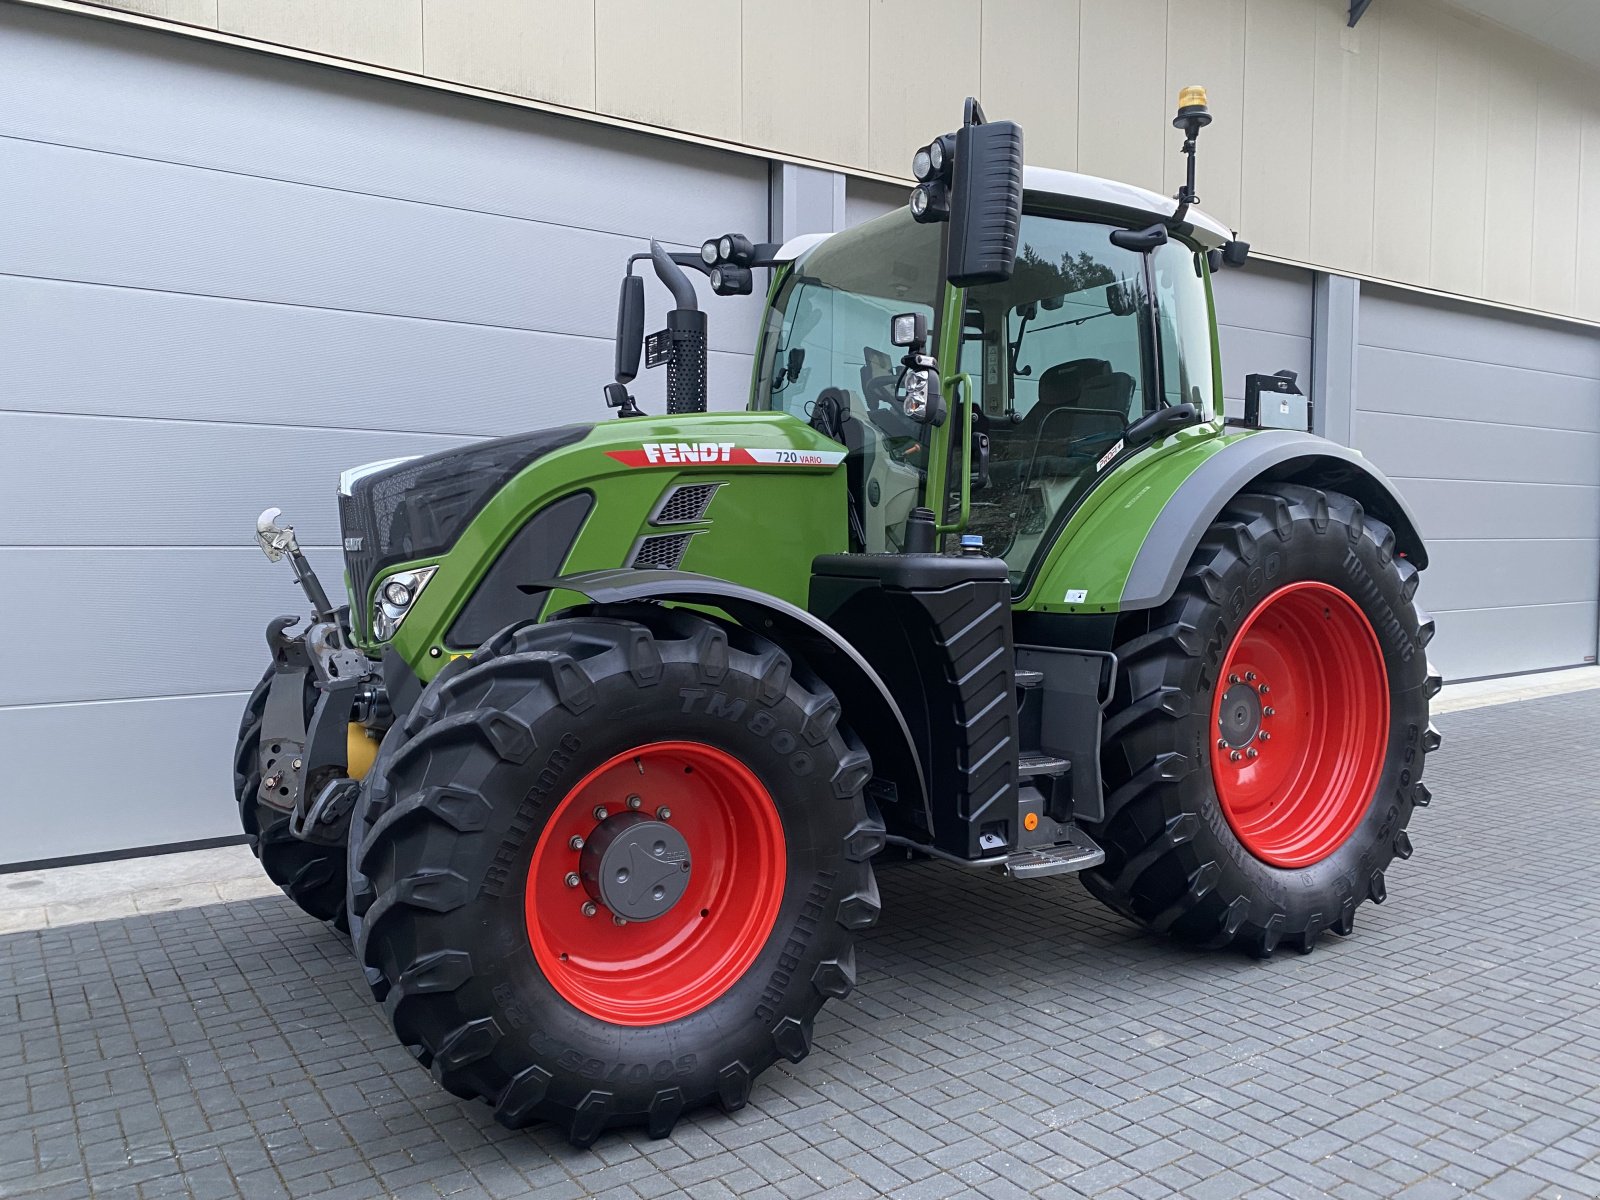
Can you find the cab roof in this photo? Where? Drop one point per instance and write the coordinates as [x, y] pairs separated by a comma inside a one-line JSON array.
[[1089, 193]]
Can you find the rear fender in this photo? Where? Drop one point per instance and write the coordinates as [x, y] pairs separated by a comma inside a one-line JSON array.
[[869, 707], [1276, 456]]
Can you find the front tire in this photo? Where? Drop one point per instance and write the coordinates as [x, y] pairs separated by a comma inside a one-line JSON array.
[[1296, 621], [563, 776], [312, 875]]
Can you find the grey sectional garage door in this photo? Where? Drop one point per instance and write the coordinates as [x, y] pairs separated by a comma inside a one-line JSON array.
[[1263, 325], [1490, 425], [223, 277]]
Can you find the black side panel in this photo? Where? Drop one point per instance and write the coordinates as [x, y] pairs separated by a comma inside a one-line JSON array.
[[945, 653], [536, 552], [1065, 710]]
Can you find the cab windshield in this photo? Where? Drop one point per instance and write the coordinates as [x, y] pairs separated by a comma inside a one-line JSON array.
[[1084, 339]]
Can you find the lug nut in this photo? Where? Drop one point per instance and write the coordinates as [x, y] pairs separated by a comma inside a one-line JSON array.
[[1233, 679], [297, 764], [1263, 689], [1233, 756], [663, 813], [1252, 753], [1249, 676], [1222, 743], [1269, 711], [575, 842], [589, 908], [634, 802], [1263, 736], [572, 879], [619, 921], [600, 813]]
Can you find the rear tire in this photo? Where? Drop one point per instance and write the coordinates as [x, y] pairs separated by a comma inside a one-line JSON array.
[[1217, 835], [313, 876], [465, 913]]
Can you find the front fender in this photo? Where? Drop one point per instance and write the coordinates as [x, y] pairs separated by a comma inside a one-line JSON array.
[[869, 707]]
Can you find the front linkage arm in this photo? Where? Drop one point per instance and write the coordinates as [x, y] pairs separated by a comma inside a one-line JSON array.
[[300, 757]]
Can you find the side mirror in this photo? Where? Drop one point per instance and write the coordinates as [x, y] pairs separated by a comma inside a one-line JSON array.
[[985, 201], [630, 328]]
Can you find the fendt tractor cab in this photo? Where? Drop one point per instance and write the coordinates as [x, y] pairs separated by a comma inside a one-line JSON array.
[[981, 573]]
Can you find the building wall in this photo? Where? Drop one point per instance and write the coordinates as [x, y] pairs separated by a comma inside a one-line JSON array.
[[1424, 147]]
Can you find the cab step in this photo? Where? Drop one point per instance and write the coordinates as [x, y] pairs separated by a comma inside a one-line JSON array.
[[1028, 679], [1079, 854], [1033, 764]]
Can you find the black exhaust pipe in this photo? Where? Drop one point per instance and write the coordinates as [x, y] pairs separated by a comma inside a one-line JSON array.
[[685, 335]]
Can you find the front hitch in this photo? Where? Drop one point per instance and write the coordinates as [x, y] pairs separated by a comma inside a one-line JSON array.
[[305, 762]]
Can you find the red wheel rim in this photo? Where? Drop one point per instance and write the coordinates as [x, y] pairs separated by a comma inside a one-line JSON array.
[[649, 971], [1300, 724]]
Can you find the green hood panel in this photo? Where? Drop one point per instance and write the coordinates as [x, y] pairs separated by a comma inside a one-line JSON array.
[[780, 504]]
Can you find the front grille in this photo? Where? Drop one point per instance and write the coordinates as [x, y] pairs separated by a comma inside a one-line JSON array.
[[663, 552], [360, 556], [685, 503]]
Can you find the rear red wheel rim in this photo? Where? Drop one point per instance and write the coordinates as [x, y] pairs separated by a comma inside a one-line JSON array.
[[1300, 724], [650, 971]]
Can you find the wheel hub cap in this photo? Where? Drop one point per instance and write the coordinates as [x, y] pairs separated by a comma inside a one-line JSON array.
[[636, 866], [1239, 715]]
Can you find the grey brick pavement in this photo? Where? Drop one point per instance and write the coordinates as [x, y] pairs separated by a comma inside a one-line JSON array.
[[1006, 1040]]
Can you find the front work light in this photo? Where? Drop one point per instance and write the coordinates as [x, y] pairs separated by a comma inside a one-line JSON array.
[[731, 280], [709, 252], [930, 202]]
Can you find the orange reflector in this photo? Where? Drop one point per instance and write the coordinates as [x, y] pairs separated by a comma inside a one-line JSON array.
[[1030, 822]]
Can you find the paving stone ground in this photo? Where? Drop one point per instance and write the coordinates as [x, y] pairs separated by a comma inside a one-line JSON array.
[[1006, 1040]]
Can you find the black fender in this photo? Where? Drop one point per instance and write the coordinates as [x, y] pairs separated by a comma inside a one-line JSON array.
[[1275, 455], [869, 707]]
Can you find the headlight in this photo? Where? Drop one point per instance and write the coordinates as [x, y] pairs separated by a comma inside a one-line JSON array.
[[915, 384], [395, 599]]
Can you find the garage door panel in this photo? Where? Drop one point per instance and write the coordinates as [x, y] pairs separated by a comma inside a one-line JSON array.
[[189, 482], [312, 125], [92, 217], [1503, 641], [1431, 448], [1426, 385], [1454, 508], [1264, 296], [1475, 333], [1482, 573], [1263, 352], [191, 803], [165, 354], [152, 620]]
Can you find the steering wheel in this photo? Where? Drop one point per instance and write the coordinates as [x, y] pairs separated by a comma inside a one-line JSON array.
[[880, 391]]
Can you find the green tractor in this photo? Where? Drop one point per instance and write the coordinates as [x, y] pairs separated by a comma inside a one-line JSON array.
[[596, 763]]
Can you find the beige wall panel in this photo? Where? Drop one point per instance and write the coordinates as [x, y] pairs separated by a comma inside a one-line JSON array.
[[654, 65], [1555, 197], [1513, 124], [543, 50], [385, 32], [190, 12], [1123, 129], [1344, 136], [924, 64], [1461, 160], [1403, 180], [805, 80], [1030, 75], [1275, 205], [1589, 223], [1205, 45]]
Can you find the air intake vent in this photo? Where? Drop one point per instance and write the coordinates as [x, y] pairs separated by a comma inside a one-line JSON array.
[[664, 551], [684, 504]]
